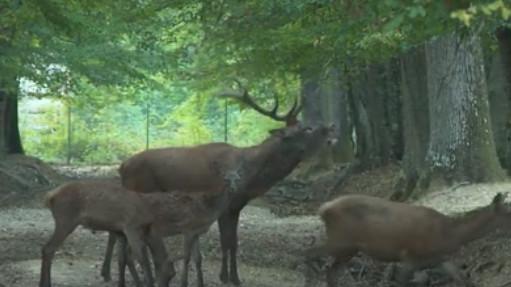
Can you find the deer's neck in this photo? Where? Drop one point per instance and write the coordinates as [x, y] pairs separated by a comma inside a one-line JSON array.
[[257, 155], [473, 225], [270, 162]]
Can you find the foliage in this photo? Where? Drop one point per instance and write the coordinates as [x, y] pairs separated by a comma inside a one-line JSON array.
[[112, 60], [106, 134], [496, 11]]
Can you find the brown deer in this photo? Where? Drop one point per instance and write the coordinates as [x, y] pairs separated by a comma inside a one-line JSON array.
[[141, 218], [416, 236], [99, 205], [199, 215], [186, 168]]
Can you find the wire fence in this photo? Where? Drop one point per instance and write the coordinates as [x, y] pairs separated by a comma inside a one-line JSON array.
[[60, 133]]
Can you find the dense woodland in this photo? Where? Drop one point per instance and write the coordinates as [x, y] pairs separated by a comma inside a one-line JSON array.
[[422, 83]]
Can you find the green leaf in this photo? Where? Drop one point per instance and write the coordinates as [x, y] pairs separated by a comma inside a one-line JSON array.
[[394, 23], [416, 11]]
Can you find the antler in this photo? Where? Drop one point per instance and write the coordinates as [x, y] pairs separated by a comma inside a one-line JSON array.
[[290, 118]]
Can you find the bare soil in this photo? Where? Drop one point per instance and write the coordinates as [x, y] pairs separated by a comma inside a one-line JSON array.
[[270, 243]]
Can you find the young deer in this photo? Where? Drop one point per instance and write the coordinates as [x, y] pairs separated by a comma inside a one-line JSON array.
[[190, 214], [142, 218], [416, 236], [102, 205]]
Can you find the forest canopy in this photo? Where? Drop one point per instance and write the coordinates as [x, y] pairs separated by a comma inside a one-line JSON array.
[[96, 81]]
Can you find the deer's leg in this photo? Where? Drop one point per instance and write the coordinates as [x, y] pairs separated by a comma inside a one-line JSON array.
[[62, 230], [234, 277], [163, 264], [228, 225], [125, 258], [342, 256], [105, 268], [197, 258], [453, 271], [189, 242], [222, 227], [405, 273], [122, 253], [132, 268], [137, 246]]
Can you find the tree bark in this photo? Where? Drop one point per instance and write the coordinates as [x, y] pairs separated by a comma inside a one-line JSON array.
[[461, 146], [311, 100], [373, 140], [499, 88], [325, 101], [10, 140], [312, 115], [415, 119], [393, 106], [335, 110]]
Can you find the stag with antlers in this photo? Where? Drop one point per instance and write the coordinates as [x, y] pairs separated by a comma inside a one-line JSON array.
[[290, 118], [188, 169]]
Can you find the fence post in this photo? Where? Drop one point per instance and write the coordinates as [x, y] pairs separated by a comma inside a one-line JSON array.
[[226, 121], [147, 126], [69, 132]]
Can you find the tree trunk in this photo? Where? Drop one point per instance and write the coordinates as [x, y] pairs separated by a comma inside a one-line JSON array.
[[325, 101], [312, 115], [335, 110], [393, 106], [373, 142], [10, 140], [415, 119], [313, 99], [461, 146], [499, 88]]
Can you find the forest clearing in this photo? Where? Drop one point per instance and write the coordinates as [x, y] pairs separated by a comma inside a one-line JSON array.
[[321, 142]]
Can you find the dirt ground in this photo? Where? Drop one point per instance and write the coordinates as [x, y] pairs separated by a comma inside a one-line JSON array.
[[270, 244]]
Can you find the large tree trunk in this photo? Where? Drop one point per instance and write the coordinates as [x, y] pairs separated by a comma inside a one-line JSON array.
[[325, 101], [415, 119], [335, 110], [393, 106], [499, 87], [461, 146], [312, 115], [368, 103], [311, 100], [10, 141]]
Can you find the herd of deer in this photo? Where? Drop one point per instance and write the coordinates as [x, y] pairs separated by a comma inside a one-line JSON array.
[[184, 190]]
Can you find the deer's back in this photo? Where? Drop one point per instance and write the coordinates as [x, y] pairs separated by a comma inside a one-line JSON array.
[[99, 205], [180, 168]]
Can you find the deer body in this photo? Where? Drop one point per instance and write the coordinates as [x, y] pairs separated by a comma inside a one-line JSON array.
[[94, 205], [148, 171], [389, 231], [142, 218]]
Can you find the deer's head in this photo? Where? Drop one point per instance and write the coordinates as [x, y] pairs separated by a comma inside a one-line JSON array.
[[301, 140]]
